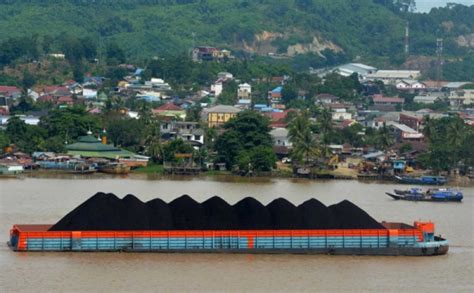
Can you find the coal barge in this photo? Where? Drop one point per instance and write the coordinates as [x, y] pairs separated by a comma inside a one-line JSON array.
[[247, 227]]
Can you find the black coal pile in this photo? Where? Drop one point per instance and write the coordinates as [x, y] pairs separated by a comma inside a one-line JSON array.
[[284, 215], [108, 212], [252, 214], [100, 212], [350, 216], [187, 213], [219, 215], [159, 215], [315, 215]]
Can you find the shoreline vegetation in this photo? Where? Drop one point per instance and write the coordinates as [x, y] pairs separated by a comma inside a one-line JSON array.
[[157, 172]]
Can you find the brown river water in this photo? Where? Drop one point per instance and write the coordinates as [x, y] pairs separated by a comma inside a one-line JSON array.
[[46, 200]]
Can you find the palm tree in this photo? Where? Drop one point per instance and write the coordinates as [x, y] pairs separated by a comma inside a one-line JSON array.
[[153, 147], [305, 145], [456, 131], [429, 127], [325, 123], [384, 138]]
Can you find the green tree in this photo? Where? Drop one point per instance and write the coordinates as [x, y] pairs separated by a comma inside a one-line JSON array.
[[305, 146], [384, 138], [247, 131]]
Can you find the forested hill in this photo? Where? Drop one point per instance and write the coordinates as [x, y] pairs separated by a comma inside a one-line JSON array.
[[366, 28]]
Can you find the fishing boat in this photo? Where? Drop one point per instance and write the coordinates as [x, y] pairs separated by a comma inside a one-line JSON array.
[[433, 194], [423, 180]]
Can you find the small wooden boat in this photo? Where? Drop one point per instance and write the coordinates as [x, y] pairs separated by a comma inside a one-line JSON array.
[[115, 168], [434, 194]]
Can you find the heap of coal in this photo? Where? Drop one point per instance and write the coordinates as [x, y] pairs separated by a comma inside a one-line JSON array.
[[108, 212]]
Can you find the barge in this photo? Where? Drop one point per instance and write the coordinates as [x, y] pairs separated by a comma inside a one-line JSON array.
[[395, 239]]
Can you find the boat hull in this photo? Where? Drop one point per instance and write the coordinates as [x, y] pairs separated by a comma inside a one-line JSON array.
[[396, 241], [416, 198]]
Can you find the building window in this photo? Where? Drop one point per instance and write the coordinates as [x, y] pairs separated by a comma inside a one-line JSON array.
[[197, 137]]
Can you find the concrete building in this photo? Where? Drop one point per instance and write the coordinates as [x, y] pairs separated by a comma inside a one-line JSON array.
[[220, 114], [280, 137], [461, 98], [392, 76], [187, 131], [244, 91]]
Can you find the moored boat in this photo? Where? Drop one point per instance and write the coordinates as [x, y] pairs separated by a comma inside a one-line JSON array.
[[433, 194], [115, 168], [423, 180]]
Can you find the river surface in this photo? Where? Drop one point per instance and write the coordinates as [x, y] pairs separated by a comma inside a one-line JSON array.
[[46, 200]]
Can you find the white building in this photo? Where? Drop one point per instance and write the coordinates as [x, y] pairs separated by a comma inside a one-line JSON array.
[[89, 94], [361, 69], [280, 137], [217, 89], [341, 114], [392, 76], [244, 91], [409, 84], [461, 97]]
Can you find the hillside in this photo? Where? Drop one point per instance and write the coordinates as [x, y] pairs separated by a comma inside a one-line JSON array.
[[371, 29]]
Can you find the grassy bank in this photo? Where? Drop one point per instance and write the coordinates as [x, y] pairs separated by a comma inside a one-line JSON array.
[[150, 169]]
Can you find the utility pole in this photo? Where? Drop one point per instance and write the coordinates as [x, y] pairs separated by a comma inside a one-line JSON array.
[[439, 62]]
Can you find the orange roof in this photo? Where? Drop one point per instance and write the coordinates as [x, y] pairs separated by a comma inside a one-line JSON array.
[[167, 107]]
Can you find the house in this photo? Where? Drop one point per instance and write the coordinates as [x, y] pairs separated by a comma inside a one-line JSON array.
[[403, 132], [427, 99], [46, 99], [217, 88], [244, 104], [341, 114], [461, 97], [392, 76], [89, 94], [278, 118], [219, 115], [326, 99], [54, 91], [169, 110], [244, 91], [158, 84], [455, 85], [409, 84], [10, 92], [275, 95], [187, 131], [225, 76], [280, 137], [411, 121], [203, 53], [65, 100], [381, 100]]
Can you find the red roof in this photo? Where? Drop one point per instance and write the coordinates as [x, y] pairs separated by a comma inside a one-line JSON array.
[[167, 107], [9, 90], [65, 100], [392, 100], [46, 98]]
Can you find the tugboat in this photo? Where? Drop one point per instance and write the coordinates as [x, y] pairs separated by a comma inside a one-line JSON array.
[[433, 194]]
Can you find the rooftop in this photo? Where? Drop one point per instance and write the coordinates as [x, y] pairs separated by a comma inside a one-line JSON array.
[[223, 109]]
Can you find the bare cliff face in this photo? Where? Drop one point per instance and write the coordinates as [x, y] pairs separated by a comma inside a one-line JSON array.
[[264, 43]]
